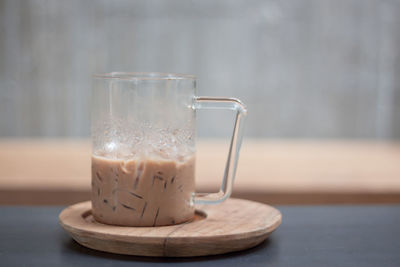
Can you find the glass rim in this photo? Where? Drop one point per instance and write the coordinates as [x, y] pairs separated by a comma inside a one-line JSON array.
[[143, 76]]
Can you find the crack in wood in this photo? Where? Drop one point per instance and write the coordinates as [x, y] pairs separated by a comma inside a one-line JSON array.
[[165, 253]]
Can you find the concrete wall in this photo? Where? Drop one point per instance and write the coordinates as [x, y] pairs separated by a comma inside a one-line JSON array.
[[307, 68]]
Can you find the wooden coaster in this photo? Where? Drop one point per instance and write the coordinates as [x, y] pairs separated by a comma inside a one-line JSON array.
[[233, 225]]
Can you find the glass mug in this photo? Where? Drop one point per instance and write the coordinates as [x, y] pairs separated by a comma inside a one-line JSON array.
[[143, 139]]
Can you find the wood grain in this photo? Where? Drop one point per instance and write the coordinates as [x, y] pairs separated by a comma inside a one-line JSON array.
[[270, 171], [231, 226]]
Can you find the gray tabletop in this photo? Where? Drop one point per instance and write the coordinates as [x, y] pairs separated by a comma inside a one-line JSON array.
[[308, 236]]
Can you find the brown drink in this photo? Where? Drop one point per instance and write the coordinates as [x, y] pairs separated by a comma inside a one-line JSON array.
[[149, 191]]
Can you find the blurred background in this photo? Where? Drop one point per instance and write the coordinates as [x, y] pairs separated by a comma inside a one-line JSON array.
[[307, 70], [314, 69]]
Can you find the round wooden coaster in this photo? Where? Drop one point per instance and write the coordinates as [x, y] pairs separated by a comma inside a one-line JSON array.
[[233, 225]]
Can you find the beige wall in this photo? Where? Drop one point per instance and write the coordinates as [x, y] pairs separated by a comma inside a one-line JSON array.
[[305, 68]]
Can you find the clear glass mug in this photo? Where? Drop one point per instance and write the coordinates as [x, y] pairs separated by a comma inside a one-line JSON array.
[[143, 139]]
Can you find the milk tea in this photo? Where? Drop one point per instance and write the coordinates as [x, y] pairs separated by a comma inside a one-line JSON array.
[[146, 191]]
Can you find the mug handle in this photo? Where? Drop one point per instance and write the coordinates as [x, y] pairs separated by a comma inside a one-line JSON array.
[[206, 102]]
